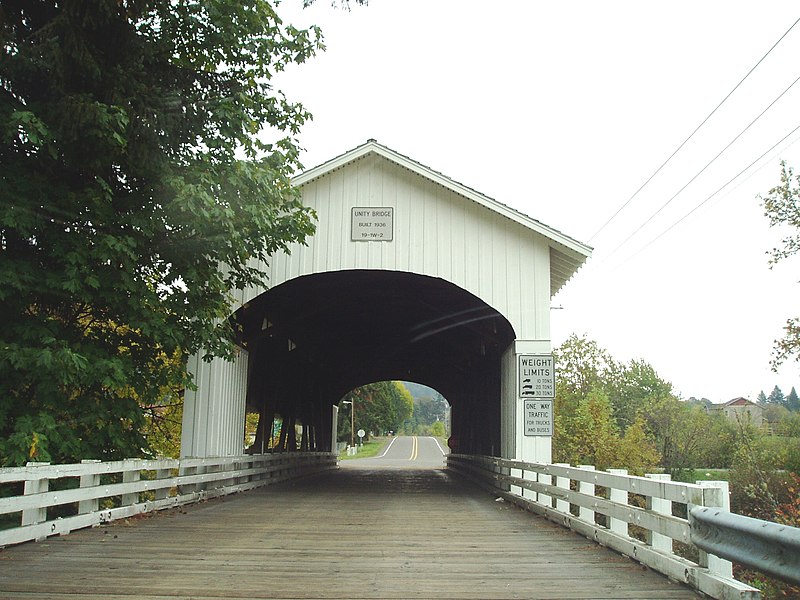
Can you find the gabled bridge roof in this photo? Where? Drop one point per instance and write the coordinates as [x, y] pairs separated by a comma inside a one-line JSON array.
[[567, 254]]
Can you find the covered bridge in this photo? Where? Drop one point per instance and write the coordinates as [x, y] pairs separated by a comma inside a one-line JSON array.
[[409, 276]]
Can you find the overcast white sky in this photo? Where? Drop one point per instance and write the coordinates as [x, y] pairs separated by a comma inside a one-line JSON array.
[[562, 110]]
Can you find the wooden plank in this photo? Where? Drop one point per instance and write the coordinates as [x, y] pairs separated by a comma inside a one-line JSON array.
[[397, 533]]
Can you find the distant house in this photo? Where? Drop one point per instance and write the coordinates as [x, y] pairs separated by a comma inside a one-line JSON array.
[[741, 410]]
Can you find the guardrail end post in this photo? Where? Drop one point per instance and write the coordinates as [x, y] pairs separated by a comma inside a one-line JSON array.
[[86, 481], [618, 496], [720, 498], [584, 487], [563, 483], [662, 507], [35, 485]]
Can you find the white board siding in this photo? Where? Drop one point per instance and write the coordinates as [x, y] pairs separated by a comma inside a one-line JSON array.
[[437, 232], [213, 417]]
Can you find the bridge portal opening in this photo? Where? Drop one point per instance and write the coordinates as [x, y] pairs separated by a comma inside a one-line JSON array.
[[315, 338], [389, 408]]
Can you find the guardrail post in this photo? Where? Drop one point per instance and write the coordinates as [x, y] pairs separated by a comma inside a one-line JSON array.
[[544, 498], [718, 497], [563, 483], [35, 485], [162, 493], [662, 507], [584, 487], [87, 481], [130, 477], [618, 496]]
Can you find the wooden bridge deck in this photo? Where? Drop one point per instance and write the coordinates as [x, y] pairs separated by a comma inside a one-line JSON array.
[[351, 533]]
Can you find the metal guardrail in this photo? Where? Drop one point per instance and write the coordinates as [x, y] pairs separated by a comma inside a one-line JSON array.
[[100, 492], [613, 508], [768, 547]]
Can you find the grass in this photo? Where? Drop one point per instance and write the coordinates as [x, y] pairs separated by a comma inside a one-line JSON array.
[[692, 475], [370, 448]]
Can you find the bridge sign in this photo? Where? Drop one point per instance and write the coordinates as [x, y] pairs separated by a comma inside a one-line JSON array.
[[536, 376], [539, 417], [372, 224]]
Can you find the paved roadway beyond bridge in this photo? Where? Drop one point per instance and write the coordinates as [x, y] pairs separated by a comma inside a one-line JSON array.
[[397, 526]]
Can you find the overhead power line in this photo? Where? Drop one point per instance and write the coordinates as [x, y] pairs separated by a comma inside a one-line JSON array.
[[669, 158], [731, 180], [701, 171]]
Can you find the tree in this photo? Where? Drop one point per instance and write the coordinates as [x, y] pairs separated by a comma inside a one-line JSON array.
[[379, 407], [782, 208], [581, 366], [776, 397], [793, 401], [591, 436], [761, 398], [679, 431], [142, 150], [638, 384]]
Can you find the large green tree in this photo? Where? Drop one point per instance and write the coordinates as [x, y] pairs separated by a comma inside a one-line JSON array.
[[144, 169], [379, 407]]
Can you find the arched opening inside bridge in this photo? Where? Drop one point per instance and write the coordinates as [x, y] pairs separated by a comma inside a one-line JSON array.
[[316, 337]]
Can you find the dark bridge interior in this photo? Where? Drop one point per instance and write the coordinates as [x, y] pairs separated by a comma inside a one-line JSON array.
[[314, 338]]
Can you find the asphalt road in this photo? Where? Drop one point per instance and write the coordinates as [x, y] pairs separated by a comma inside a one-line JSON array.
[[403, 452]]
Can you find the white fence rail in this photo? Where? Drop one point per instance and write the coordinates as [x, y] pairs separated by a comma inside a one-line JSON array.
[[57, 499], [645, 518]]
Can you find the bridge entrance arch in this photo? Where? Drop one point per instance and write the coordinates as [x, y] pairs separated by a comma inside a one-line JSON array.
[[410, 276]]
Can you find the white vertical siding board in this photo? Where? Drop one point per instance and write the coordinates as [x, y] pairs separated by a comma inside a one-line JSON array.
[[320, 248], [499, 259], [376, 199], [514, 274], [362, 193], [444, 206], [404, 230], [485, 261], [389, 199], [457, 248], [416, 227], [508, 409], [429, 229], [471, 249], [349, 200], [189, 410], [542, 290]]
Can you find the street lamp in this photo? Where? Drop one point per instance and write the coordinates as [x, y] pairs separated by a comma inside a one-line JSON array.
[[352, 420]]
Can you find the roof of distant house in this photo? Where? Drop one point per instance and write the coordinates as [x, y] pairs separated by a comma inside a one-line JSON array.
[[740, 402]]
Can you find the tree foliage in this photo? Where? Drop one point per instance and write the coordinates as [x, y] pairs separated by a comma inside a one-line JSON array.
[[134, 164], [379, 408], [782, 208], [430, 411], [776, 397]]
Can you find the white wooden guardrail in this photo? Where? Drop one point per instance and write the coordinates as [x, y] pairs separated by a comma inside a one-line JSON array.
[[615, 510], [94, 492]]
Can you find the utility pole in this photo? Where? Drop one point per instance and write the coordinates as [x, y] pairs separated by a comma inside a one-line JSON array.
[[352, 420]]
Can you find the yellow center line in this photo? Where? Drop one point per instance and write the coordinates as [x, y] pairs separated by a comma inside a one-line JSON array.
[[414, 448]]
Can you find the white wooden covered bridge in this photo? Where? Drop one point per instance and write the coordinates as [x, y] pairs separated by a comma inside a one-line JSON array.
[[410, 276]]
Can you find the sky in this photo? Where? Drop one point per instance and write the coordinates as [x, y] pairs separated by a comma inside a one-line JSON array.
[[563, 111]]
